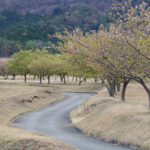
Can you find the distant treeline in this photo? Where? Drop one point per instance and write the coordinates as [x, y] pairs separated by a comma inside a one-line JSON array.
[[34, 31], [40, 63]]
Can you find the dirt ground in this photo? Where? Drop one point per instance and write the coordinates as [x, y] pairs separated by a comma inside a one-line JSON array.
[[126, 123], [17, 97]]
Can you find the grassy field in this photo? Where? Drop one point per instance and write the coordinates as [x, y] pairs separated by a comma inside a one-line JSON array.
[[107, 118], [115, 121], [17, 97]]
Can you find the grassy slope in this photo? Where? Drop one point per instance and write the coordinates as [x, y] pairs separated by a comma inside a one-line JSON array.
[[112, 120], [11, 104]]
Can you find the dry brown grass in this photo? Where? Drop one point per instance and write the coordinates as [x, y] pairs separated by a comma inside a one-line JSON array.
[[112, 120], [17, 97], [17, 139]]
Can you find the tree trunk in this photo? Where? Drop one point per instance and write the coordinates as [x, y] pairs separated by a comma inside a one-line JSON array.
[[76, 78], [64, 77], [146, 88], [14, 76], [84, 79], [148, 92], [103, 82], [114, 86], [110, 88], [40, 79], [48, 79], [73, 78], [80, 82], [61, 78], [118, 87], [6, 76], [96, 79], [79, 78], [123, 93], [25, 78], [34, 77]]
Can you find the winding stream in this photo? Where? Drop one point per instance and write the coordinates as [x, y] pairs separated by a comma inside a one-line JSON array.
[[54, 121]]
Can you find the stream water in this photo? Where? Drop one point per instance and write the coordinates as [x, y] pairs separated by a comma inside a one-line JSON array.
[[54, 121]]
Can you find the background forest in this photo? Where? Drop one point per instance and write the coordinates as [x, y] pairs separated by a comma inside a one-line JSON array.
[[32, 24]]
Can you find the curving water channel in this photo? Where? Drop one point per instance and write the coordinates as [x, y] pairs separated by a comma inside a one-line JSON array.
[[54, 121]]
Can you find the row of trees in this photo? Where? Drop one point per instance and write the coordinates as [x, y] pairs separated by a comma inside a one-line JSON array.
[[42, 64], [118, 54]]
